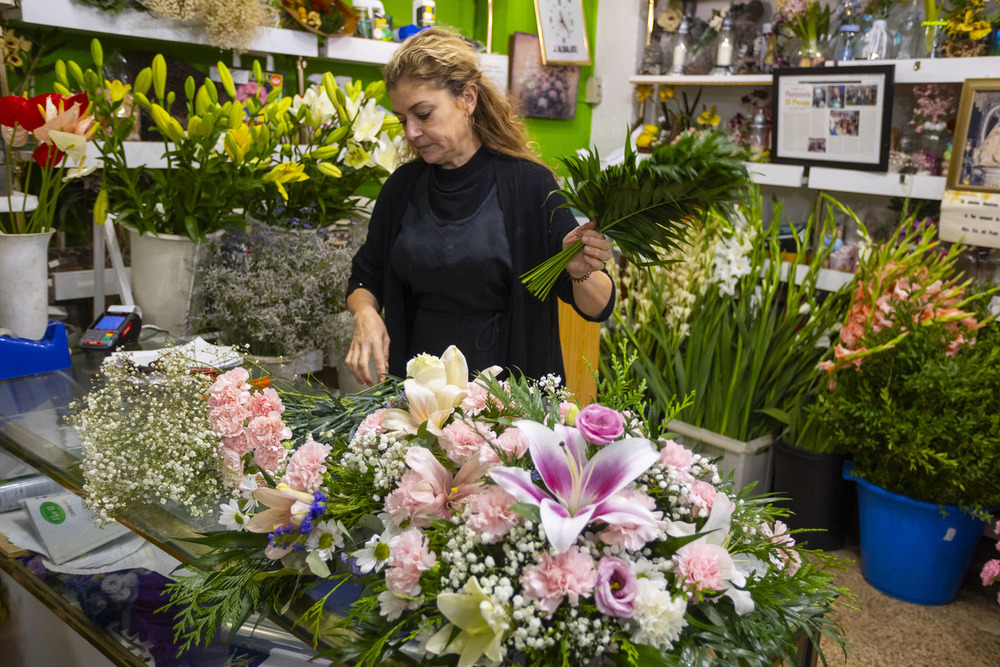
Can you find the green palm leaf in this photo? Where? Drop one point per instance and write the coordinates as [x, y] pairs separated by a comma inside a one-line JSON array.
[[646, 207]]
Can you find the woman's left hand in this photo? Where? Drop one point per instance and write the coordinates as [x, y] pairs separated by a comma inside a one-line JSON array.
[[595, 253]]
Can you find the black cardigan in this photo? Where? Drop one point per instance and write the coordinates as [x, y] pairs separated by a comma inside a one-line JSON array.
[[535, 230]]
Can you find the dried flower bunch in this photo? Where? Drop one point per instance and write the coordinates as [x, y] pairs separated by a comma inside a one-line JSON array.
[[275, 290], [229, 24], [146, 439]]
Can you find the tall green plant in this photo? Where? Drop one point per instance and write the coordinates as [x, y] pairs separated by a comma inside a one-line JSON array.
[[744, 353]]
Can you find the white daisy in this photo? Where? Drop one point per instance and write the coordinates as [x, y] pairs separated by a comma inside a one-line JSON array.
[[231, 516], [325, 538], [376, 551]]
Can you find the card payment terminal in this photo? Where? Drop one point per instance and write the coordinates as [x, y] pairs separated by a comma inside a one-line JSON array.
[[114, 327]]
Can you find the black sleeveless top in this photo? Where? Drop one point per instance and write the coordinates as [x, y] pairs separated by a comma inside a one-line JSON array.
[[454, 259]]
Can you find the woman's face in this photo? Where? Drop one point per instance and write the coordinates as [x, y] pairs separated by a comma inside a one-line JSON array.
[[437, 123]]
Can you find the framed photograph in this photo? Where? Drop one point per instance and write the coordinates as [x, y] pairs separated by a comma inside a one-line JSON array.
[[975, 155], [563, 30], [833, 116], [538, 90]]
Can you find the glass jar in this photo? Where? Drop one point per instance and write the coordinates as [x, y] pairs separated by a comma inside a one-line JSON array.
[[758, 139], [769, 49], [681, 47], [877, 41], [725, 48], [910, 34], [812, 54], [847, 43]]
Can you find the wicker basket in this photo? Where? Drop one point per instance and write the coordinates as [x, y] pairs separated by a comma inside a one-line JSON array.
[[350, 20]]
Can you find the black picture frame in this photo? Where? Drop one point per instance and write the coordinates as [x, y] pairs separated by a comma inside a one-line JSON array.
[[816, 111]]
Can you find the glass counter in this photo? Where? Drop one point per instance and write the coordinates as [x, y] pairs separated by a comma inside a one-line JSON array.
[[34, 429]]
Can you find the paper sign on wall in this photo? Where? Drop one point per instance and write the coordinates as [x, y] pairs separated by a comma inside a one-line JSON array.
[[970, 217]]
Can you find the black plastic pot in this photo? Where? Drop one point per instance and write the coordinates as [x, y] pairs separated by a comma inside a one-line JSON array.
[[817, 494]]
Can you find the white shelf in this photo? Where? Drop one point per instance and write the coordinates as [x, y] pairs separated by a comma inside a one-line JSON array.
[[358, 50], [130, 23], [703, 79], [138, 154], [784, 175], [935, 70], [17, 201], [867, 182]]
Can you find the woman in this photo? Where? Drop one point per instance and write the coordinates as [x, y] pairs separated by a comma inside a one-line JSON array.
[[453, 230]]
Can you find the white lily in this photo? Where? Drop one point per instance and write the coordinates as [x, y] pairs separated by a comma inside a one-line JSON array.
[[386, 153], [483, 624], [368, 122], [74, 145], [434, 388], [318, 102]]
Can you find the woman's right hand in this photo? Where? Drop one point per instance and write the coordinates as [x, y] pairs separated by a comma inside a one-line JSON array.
[[371, 339]]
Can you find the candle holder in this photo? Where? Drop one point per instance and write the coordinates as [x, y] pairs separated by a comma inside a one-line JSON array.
[[725, 48]]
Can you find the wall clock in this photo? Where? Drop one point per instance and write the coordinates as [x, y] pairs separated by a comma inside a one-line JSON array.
[[563, 32]]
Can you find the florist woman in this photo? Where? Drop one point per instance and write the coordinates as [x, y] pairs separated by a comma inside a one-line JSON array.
[[454, 229]]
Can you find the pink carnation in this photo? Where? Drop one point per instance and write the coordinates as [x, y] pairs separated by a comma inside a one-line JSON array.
[[230, 388], [239, 443], [675, 456], [700, 565], [232, 463], [491, 516], [476, 398], [227, 418], [991, 570], [267, 431], [408, 558], [786, 555], [370, 424], [269, 456], [306, 467], [511, 442], [570, 575], [702, 495], [264, 403], [461, 442], [634, 536]]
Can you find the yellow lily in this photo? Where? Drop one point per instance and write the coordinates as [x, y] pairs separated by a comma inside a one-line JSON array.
[[286, 172], [116, 89], [709, 117], [238, 141], [667, 93]]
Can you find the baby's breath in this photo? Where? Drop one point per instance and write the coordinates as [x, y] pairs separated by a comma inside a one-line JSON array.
[[146, 439]]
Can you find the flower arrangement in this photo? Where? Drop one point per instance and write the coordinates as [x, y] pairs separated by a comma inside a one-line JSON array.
[[739, 319], [935, 104], [61, 127], [498, 520], [349, 142], [809, 21], [991, 570], [212, 161], [275, 290], [146, 439], [323, 17], [912, 375]]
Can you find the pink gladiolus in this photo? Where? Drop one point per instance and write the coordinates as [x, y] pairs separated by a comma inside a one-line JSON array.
[[577, 490]]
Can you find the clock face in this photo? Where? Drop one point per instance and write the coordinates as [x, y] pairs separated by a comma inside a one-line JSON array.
[[563, 32]]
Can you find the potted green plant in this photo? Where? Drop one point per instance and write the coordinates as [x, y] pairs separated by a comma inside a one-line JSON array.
[[726, 323], [913, 393]]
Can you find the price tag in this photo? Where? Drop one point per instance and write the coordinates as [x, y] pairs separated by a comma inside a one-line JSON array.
[[972, 218]]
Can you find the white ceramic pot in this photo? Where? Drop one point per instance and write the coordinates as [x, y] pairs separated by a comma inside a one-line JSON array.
[[24, 289], [163, 269]]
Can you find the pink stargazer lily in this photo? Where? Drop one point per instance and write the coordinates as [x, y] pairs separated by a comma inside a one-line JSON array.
[[579, 490]]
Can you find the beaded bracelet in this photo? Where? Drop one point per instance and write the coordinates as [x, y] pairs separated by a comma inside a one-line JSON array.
[[581, 278]]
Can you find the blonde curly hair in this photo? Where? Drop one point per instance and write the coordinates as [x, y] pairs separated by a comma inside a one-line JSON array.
[[445, 60]]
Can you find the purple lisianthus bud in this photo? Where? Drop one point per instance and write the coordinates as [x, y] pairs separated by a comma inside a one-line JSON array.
[[616, 587], [600, 425]]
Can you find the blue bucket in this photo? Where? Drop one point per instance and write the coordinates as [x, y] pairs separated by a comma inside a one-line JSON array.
[[911, 550]]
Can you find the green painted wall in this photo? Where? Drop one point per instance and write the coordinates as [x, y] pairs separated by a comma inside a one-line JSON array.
[[554, 138]]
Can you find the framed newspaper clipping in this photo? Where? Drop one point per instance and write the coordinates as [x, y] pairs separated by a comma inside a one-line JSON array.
[[833, 116]]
